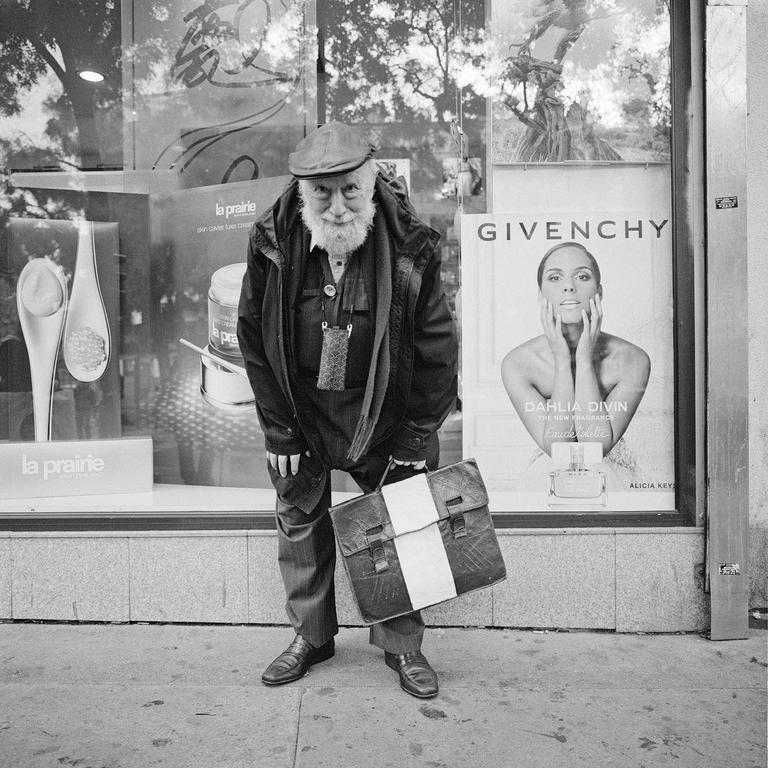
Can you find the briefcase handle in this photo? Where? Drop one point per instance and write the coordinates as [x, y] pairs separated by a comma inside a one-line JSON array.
[[388, 468]]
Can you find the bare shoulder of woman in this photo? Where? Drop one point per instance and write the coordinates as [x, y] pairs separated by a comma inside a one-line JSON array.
[[528, 356], [625, 357], [528, 364]]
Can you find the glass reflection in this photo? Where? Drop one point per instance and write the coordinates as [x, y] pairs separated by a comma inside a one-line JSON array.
[[200, 104], [580, 81], [217, 91], [44, 45]]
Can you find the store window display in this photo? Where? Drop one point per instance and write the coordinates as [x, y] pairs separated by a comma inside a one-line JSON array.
[[186, 138]]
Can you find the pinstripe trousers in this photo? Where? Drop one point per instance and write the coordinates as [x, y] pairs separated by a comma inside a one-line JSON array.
[[306, 543], [307, 560]]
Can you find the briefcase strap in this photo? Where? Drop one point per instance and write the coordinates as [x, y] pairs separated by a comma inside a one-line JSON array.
[[390, 465]]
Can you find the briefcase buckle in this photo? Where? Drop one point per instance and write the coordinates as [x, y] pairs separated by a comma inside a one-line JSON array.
[[376, 538], [458, 523]]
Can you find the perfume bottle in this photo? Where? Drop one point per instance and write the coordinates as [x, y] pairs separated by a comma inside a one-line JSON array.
[[577, 486]]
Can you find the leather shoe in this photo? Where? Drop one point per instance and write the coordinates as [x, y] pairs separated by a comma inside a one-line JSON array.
[[416, 675], [294, 662]]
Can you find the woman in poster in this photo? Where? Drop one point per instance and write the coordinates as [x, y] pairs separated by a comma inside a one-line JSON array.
[[575, 382]]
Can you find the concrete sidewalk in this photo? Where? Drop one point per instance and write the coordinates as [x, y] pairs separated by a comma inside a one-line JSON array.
[[133, 696]]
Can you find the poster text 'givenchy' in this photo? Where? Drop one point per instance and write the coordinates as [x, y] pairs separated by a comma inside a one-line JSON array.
[[608, 229]]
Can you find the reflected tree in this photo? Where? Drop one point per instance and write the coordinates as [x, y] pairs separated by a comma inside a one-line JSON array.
[[537, 99], [396, 59], [405, 68], [38, 204], [561, 103], [64, 37]]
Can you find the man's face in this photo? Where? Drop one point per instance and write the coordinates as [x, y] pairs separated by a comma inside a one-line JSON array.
[[338, 210]]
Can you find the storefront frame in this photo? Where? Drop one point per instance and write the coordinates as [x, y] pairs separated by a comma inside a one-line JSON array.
[[688, 355], [720, 477]]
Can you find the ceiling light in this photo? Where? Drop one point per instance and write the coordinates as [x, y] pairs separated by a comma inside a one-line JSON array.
[[91, 75]]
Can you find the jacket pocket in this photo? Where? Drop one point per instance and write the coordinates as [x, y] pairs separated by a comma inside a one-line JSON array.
[[300, 489]]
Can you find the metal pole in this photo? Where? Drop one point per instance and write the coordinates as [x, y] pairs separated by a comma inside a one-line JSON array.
[[727, 392]]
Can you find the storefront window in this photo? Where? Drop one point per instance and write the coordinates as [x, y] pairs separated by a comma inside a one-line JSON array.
[[404, 69], [569, 350], [168, 154], [142, 138]]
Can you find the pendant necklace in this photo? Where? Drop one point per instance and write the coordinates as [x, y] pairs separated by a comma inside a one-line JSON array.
[[333, 354]]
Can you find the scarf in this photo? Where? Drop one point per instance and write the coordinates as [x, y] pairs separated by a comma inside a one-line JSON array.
[[378, 370]]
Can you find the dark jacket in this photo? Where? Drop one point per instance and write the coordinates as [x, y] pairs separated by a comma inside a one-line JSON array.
[[423, 343]]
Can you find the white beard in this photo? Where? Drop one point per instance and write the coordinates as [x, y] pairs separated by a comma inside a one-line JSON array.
[[338, 239]]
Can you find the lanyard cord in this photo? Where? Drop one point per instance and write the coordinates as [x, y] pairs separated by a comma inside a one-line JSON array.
[[327, 278]]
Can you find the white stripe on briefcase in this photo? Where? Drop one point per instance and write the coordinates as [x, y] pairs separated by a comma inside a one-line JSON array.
[[418, 543]]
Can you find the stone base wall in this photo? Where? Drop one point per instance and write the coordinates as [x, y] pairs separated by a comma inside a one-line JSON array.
[[644, 580]]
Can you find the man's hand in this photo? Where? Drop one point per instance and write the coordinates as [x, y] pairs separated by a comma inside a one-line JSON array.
[[415, 464], [283, 463]]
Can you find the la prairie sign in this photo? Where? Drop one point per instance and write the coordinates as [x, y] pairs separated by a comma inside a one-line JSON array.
[[75, 468]]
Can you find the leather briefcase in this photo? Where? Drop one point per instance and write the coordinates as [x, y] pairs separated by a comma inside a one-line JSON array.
[[418, 542]]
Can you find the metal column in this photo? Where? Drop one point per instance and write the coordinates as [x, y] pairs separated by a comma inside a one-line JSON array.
[[727, 395]]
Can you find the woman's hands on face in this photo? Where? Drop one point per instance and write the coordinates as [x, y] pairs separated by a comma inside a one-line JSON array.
[[589, 335], [553, 330]]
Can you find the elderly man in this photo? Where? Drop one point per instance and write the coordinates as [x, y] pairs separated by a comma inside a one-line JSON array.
[[351, 351]]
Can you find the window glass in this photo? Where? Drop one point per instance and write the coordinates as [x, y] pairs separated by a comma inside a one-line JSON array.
[[407, 71], [569, 374], [580, 81], [160, 130], [165, 127], [142, 139]]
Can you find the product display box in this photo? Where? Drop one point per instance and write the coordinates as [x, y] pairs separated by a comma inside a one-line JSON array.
[[76, 468], [204, 415]]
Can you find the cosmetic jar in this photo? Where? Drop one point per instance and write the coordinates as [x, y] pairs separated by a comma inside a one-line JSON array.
[[223, 297], [222, 388]]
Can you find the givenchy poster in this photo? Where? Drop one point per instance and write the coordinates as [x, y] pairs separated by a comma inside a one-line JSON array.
[[568, 381]]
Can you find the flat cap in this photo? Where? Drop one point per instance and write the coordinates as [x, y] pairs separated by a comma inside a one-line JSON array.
[[332, 149]]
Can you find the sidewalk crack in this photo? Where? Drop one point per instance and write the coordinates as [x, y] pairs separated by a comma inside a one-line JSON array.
[[298, 726]]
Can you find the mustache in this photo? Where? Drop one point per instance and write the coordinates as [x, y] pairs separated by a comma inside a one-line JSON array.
[[329, 218]]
